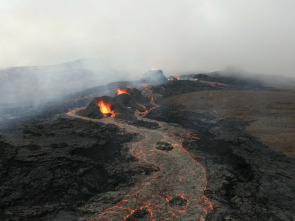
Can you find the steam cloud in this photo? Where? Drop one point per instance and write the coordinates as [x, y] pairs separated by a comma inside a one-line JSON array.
[[133, 36]]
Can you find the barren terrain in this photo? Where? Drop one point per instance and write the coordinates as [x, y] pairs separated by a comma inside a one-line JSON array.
[[175, 191], [180, 150], [271, 114]]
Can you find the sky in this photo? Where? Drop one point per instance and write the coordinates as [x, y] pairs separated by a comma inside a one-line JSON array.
[[136, 35]]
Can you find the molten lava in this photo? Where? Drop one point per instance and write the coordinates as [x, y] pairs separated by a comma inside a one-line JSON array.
[[175, 190], [105, 108], [121, 91], [174, 78], [213, 84]]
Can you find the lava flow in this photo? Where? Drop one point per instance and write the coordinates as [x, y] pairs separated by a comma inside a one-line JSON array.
[[105, 108], [173, 78], [149, 95], [213, 84], [175, 191], [121, 91]]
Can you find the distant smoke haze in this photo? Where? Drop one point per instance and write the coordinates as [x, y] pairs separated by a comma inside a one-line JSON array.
[[42, 83], [134, 36]]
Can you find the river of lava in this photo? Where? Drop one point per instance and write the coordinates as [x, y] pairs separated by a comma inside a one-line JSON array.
[[175, 192], [121, 91]]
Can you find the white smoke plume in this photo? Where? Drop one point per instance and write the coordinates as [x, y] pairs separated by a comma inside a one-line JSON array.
[[133, 36]]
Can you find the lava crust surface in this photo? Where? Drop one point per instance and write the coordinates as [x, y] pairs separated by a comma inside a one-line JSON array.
[[161, 164], [250, 181], [52, 168]]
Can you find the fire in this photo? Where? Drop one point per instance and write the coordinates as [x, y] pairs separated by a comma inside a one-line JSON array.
[[173, 78], [105, 108], [121, 91]]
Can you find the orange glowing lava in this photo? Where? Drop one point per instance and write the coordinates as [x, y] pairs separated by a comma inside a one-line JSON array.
[[175, 190], [213, 84], [121, 91], [173, 78], [105, 108]]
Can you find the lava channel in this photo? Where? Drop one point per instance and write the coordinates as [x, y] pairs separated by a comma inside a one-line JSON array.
[[175, 192]]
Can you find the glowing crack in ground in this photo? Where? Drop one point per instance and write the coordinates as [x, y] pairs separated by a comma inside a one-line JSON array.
[[175, 192]]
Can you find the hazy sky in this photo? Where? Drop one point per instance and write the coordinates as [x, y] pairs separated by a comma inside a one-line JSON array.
[[135, 35]]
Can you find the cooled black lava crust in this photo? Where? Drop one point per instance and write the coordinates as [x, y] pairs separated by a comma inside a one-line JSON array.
[[53, 164], [58, 165], [250, 181]]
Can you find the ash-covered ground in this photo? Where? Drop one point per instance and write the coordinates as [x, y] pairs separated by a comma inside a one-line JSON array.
[[56, 167]]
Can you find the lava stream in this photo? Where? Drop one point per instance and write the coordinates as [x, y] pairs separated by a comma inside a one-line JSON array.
[[121, 91], [175, 192]]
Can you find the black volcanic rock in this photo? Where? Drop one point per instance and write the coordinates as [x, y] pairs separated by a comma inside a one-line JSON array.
[[56, 168], [132, 91], [146, 124], [42, 175], [93, 110], [248, 180], [154, 77], [137, 96], [140, 215], [123, 105], [178, 203], [232, 81], [164, 146]]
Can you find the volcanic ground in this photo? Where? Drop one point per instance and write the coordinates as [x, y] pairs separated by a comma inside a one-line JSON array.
[[195, 147]]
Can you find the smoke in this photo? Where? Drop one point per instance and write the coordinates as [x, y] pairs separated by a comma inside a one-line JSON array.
[[133, 36], [190, 35], [42, 83]]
